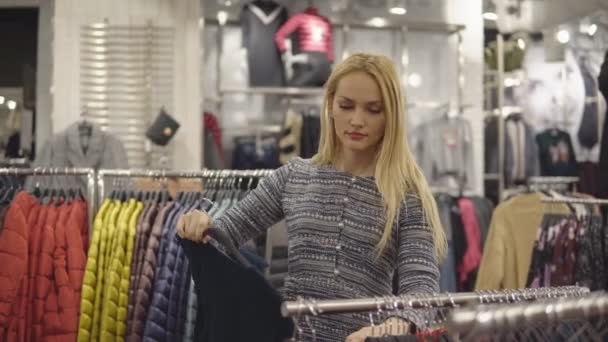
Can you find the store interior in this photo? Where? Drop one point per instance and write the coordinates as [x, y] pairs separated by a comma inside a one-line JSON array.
[[131, 113]]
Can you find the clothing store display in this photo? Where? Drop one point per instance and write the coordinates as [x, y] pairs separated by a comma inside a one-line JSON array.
[[343, 264], [447, 269], [311, 133], [466, 221], [589, 178], [508, 249], [98, 150], [253, 153], [588, 130], [213, 148], [290, 143], [472, 254], [163, 128], [569, 250], [314, 41], [603, 163], [43, 250], [229, 311], [556, 153], [521, 151], [443, 147], [260, 21]]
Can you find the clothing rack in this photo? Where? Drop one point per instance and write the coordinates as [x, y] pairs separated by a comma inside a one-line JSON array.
[[572, 200], [489, 318], [203, 174], [56, 171], [392, 303], [553, 180]]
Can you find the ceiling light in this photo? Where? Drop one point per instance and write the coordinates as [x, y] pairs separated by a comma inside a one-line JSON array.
[[2, 100], [563, 36], [222, 17], [592, 29], [397, 7], [414, 80], [521, 43], [11, 104], [490, 16], [398, 10], [377, 22]]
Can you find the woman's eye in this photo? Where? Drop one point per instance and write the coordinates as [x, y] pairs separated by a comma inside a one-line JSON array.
[[375, 110], [345, 107]]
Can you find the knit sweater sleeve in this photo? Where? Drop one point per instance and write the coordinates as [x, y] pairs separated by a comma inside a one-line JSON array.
[[258, 211], [417, 264]]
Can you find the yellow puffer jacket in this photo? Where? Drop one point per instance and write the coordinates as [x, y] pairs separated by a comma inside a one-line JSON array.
[[125, 279], [117, 262], [90, 280]]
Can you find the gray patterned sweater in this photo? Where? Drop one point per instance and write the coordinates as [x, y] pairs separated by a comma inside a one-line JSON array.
[[334, 221]]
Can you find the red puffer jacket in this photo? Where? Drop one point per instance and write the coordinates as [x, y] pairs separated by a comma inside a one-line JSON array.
[[14, 259]]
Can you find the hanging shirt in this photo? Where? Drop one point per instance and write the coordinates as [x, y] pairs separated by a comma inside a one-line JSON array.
[[314, 33], [556, 153]]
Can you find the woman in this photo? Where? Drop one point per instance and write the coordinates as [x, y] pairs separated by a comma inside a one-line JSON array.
[[358, 211]]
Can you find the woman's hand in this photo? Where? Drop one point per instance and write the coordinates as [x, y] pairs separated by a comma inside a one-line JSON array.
[[391, 327], [192, 226]]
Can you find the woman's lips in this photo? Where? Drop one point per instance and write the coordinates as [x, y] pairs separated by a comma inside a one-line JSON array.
[[356, 136]]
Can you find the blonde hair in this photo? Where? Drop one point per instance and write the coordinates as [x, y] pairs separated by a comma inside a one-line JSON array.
[[396, 170]]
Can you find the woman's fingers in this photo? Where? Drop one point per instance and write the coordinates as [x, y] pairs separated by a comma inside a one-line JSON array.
[[192, 226]]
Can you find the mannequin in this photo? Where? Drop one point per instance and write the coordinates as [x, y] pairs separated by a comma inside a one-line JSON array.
[[260, 20], [312, 47]]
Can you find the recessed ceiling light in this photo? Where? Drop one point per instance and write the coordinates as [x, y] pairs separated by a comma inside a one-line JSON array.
[[490, 16], [377, 22], [398, 10], [563, 36]]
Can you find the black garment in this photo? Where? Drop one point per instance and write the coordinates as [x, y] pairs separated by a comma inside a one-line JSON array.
[[556, 153], [235, 303], [589, 178], [603, 164], [260, 20], [314, 73], [311, 133], [588, 130]]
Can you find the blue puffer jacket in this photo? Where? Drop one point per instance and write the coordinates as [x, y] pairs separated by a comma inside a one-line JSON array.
[[166, 317]]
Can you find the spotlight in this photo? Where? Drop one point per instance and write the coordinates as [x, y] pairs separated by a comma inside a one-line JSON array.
[[563, 36]]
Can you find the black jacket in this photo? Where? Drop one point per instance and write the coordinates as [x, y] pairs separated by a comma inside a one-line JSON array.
[[235, 303]]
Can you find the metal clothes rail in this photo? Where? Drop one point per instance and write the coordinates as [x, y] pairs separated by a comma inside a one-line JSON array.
[[590, 201], [57, 171], [393, 303], [203, 174], [490, 318]]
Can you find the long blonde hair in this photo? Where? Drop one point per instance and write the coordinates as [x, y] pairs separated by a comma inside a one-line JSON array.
[[396, 170]]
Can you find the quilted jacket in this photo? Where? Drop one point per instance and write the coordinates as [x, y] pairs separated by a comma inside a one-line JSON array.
[[116, 262], [14, 259], [167, 315], [156, 321], [146, 282], [135, 265], [93, 276]]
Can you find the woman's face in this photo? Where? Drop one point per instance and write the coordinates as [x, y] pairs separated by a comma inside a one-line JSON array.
[[358, 113]]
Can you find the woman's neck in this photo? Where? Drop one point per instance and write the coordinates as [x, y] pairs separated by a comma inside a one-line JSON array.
[[357, 164]]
